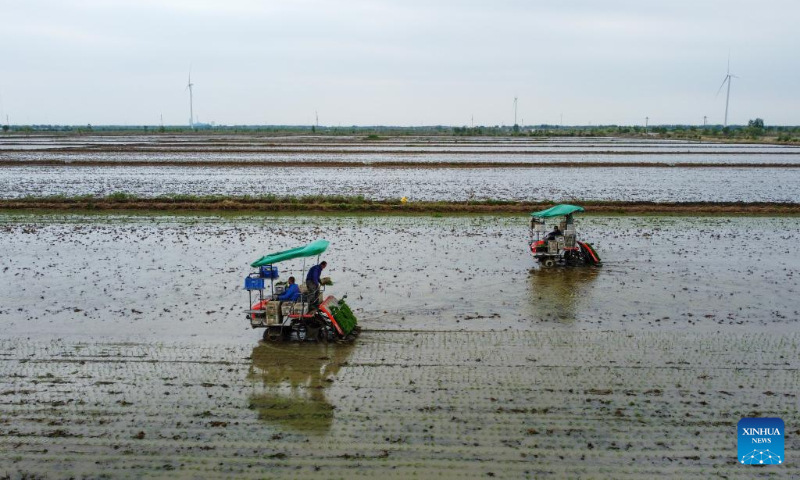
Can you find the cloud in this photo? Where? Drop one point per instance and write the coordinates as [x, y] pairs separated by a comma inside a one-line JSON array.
[[397, 62]]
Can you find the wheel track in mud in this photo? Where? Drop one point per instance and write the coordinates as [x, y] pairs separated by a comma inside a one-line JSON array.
[[396, 404]]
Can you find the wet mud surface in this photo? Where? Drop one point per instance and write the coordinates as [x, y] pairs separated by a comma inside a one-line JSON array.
[[125, 352], [420, 168], [448, 184], [150, 278], [385, 157], [446, 404], [21, 147]]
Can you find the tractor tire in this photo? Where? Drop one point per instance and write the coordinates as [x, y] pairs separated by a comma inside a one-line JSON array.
[[273, 334], [322, 334]]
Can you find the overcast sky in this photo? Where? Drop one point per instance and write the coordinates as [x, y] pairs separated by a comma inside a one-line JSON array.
[[404, 62]]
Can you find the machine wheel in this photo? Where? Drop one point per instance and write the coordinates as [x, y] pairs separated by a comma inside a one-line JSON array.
[[273, 334], [574, 258], [313, 332], [326, 334], [317, 330], [302, 333], [322, 334], [549, 263]]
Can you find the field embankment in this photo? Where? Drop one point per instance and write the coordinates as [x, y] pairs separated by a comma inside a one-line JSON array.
[[395, 206]]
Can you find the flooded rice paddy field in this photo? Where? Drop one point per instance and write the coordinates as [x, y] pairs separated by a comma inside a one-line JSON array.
[[390, 142], [125, 353], [376, 156], [145, 278], [561, 183], [396, 405], [212, 148]]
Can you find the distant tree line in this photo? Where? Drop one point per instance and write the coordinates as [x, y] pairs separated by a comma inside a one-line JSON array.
[[754, 130]]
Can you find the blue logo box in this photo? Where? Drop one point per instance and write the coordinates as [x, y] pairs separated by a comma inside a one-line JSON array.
[[761, 441]]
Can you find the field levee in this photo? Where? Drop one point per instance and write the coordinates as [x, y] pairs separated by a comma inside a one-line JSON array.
[[125, 202]]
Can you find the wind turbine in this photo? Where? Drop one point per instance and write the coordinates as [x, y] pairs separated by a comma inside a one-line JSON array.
[[728, 78], [191, 101], [515, 111]]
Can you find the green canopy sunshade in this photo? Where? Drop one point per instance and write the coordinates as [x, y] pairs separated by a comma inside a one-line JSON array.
[[557, 211], [311, 250]]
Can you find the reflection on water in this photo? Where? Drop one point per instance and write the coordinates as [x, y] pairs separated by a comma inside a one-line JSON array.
[[557, 292], [292, 378], [767, 184]]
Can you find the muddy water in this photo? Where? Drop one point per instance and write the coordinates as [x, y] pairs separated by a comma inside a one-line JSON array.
[[124, 351], [748, 156], [256, 147], [397, 405], [180, 278], [333, 144], [633, 184]]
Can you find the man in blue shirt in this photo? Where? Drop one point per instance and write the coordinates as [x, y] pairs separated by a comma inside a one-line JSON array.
[[554, 234], [312, 283], [292, 292]]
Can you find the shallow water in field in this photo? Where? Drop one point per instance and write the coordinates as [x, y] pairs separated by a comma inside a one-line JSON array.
[[173, 278], [397, 405], [633, 184], [254, 148], [124, 349], [752, 183], [381, 155], [387, 143]]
